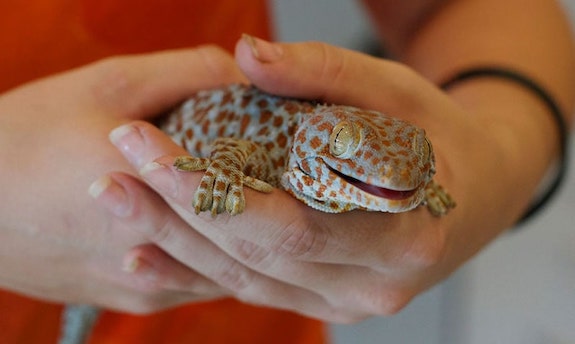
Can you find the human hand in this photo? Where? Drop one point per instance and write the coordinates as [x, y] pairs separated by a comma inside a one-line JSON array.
[[56, 243], [280, 253]]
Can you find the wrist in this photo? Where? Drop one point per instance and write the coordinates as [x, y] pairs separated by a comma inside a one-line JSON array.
[[525, 122]]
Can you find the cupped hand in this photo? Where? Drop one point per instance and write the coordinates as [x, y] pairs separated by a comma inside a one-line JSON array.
[[57, 244], [280, 253]]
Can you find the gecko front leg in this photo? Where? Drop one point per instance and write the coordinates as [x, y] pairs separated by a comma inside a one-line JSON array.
[[221, 187]]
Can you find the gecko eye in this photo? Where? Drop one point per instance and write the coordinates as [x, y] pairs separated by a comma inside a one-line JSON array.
[[344, 140], [422, 147], [426, 150]]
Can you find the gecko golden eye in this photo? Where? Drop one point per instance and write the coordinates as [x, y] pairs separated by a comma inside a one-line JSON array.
[[422, 147], [344, 140], [426, 153]]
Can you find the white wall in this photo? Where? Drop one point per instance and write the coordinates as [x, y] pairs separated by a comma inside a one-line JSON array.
[[520, 290]]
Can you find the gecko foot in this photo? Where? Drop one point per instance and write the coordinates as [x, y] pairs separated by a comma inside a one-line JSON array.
[[221, 187], [438, 201]]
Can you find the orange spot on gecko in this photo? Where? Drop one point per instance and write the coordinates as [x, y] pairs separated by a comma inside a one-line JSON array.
[[277, 121], [262, 103], [291, 108], [189, 134], [221, 116], [244, 124], [269, 146], [282, 140], [307, 181], [334, 206], [265, 116], [205, 128], [400, 142], [315, 143], [324, 127], [226, 99], [246, 101], [367, 155]]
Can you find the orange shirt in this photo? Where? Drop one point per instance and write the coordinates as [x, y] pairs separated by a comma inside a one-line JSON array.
[[41, 37]]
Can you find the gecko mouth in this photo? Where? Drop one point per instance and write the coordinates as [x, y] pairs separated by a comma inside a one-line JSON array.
[[378, 191]]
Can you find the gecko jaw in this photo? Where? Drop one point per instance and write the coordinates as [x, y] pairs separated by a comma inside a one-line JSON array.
[[377, 191]]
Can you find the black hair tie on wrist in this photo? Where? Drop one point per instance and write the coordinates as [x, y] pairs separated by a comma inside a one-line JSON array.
[[555, 111]]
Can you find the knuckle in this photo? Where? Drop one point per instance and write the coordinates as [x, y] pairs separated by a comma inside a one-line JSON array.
[[142, 297], [113, 82], [369, 299], [340, 315], [140, 305], [219, 63], [301, 241], [346, 318], [160, 231], [427, 251], [392, 303], [402, 80], [249, 253], [148, 286], [234, 276], [383, 302], [334, 65]]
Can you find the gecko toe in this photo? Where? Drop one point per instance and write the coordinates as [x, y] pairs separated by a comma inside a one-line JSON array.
[[257, 184], [235, 200], [190, 163], [438, 201]]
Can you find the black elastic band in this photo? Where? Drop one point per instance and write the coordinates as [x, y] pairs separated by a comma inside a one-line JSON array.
[[555, 111]]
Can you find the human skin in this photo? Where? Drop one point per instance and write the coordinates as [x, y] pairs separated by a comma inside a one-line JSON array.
[[361, 264], [57, 244], [279, 253]]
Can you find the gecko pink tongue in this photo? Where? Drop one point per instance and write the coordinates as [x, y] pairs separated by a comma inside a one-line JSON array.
[[383, 192], [376, 190]]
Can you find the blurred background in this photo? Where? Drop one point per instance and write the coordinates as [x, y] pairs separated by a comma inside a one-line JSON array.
[[520, 290]]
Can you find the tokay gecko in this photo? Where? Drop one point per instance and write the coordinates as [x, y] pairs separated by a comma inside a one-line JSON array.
[[333, 158]]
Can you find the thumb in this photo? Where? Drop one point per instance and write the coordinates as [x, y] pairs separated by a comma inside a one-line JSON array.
[[316, 70], [142, 86]]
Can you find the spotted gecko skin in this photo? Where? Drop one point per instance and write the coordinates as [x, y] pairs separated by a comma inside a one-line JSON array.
[[333, 158]]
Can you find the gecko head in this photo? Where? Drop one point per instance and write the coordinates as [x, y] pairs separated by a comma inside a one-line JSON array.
[[362, 159]]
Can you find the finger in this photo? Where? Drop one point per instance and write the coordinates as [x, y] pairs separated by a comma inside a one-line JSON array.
[[282, 223], [141, 209], [158, 271], [350, 291], [142, 86], [316, 70], [354, 289], [142, 142]]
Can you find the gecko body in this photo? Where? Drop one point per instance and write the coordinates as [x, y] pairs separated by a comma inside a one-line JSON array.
[[333, 158]]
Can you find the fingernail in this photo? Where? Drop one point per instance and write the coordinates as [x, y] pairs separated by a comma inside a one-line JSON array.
[[130, 264], [263, 51], [129, 141], [139, 266], [99, 186], [161, 177], [111, 195]]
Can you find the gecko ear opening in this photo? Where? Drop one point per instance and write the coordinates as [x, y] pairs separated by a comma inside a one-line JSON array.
[[344, 140]]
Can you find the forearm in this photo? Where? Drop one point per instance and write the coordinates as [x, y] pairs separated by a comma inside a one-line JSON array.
[[442, 37]]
